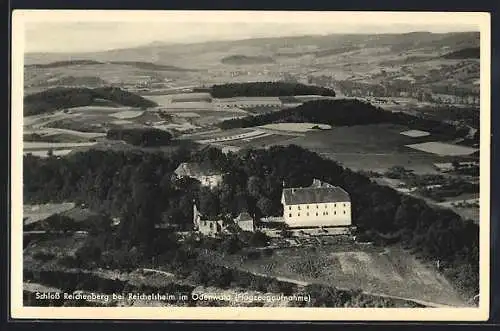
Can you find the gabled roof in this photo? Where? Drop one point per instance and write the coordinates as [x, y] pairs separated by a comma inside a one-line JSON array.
[[311, 195], [195, 169], [243, 217]]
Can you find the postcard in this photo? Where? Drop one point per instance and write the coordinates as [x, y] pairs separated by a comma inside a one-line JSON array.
[[239, 165]]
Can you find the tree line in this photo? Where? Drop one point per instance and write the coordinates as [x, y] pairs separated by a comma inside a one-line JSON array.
[[68, 97], [266, 89], [344, 112], [139, 188], [144, 137]]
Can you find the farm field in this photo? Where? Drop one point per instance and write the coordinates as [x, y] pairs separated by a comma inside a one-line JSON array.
[[415, 133], [127, 114], [242, 137], [390, 270], [375, 147], [36, 145], [444, 149], [296, 127], [45, 152], [57, 131], [262, 141]]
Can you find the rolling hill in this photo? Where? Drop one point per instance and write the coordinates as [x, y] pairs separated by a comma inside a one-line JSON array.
[[61, 98], [244, 59]]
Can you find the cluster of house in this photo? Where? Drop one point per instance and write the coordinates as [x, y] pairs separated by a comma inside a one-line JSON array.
[[449, 166], [320, 205]]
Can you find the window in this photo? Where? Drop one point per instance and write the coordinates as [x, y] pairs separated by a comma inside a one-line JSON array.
[[298, 207], [307, 214], [344, 211], [289, 207], [326, 213], [307, 207], [335, 205], [344, 204], [325, 205], [316, 214], [334, 213], [289, 215], [298, 214], [317, 206]]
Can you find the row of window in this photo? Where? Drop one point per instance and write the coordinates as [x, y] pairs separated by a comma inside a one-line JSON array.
[[317, 206], [325, 213]]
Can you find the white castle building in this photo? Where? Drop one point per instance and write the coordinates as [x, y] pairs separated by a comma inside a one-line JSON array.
[[320, 205]]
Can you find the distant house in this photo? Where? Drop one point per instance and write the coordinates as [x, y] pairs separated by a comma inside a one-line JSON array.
[[319, 205], [245, 222], [206, 175], [444, 167], [217, 226]]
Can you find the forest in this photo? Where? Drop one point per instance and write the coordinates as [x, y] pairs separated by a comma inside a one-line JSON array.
[[138, 187], [61, 98], [465, 53], [266, 89], [58, 64], [345, 112], [144, 137]]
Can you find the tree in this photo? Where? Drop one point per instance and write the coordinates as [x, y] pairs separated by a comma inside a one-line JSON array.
[[254, 186], [265, 206]]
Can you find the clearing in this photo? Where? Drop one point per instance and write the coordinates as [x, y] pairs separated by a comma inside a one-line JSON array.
[[415, 133], [127, 114], [374, 147], [390, 271], [444, 149], [35, 213]]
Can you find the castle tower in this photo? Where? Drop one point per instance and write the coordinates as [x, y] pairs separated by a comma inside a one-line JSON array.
[[196, 216]]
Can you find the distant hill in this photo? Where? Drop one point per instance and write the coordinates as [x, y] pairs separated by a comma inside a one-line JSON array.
[[466, 53], [150, 66], [266, 89], [61, 98], [58, 64], [320, 53], [137, 64], [245, 59], [178, 54], [88, 81]]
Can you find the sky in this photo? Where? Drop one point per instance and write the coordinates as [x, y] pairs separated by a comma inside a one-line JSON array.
[[81, 35]]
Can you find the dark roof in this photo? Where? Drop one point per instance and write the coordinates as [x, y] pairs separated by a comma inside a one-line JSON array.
[[311, 195], [195, 169]]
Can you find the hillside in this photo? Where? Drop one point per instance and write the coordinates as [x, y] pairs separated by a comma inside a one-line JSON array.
[[138, 64], [266, 89], [88, 81], [400, 42], [343, 112], [466, 53], [244, 59], [60, 98]]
